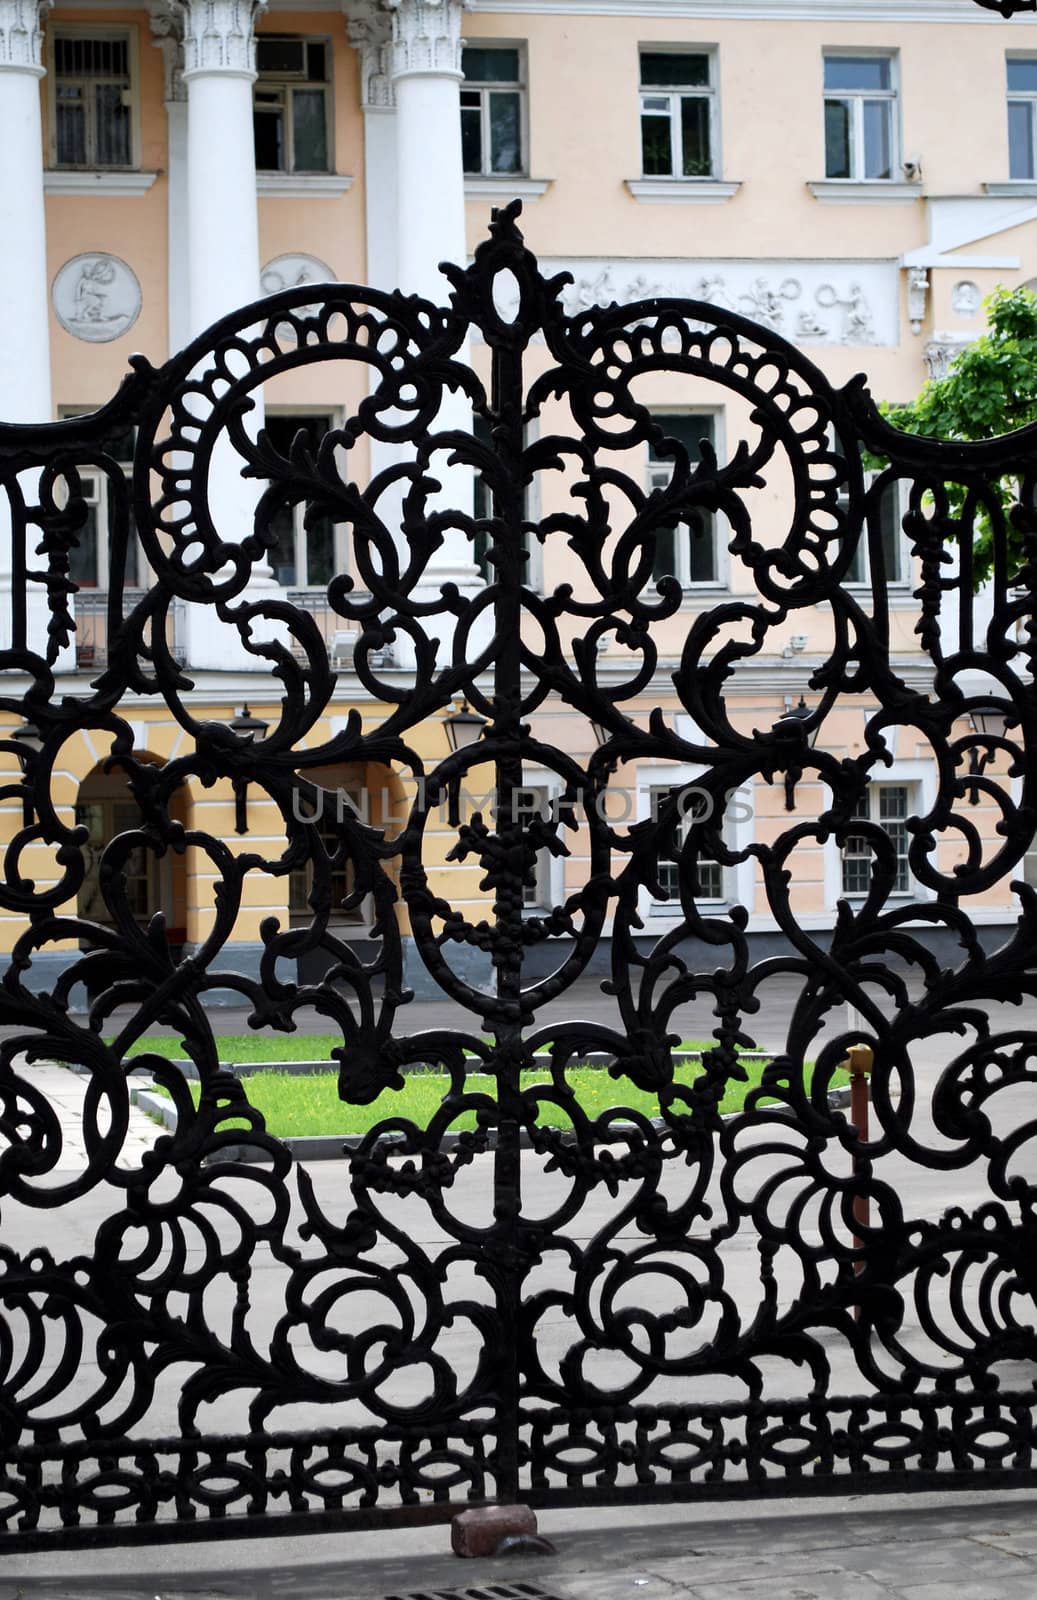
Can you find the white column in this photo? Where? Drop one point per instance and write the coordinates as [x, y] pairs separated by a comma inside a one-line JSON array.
[[426, 75], [426, 78], [25, 394], [223, 266], [24, 312], [223, 220]]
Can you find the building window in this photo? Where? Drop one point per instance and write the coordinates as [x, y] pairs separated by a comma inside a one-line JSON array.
[[887, 508], [492, 110], [92, 101], [860, 122], [100, 493], [887, 805], [345, 907], [292, 104], [677, 100], [674, 825], [303, 554], [1022, 117], [687, 550], [104, 820]]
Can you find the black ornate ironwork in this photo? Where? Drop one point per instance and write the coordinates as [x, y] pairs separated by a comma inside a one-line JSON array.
[[1008, 8], [682, 1306]]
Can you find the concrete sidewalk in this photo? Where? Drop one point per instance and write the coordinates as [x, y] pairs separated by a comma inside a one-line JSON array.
[[968, 1547]]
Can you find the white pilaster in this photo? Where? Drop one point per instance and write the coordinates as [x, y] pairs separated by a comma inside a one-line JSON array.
[[426, 77], [223, 264], [370, 34], [167, 31], [25, 394]]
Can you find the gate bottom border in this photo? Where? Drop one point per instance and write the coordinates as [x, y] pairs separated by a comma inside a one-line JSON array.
[[126, 1491]]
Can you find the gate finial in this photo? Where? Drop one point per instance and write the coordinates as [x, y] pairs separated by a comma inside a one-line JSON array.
[[503, 293]]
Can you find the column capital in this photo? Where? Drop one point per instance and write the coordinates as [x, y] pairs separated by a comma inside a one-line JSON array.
[[219, 36], [21, 35], [426, 37], [167, 34], [370, 34]]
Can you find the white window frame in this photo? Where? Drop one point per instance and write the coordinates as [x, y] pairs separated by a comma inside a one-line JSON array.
[[738, 832], [550, 869], [919, 778], [286, 82], [675, 95], [484, 89], [1026, 97], [130, 98], [658, 475], [340, 548], [856, 99]]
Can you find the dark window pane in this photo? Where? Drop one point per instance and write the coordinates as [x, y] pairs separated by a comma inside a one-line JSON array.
[[281, 555], [112, 121], [82, 559], [664, 564], [695, 137], [471, 134], [656, 149], [310, 131], [837, 139], [481, 65], [278, 56], [889, 529], [1020, 139], [688, 428], [268, 128], [320, 551], [71, 129], [702, 565], [1022, 75], [669, 70], [316, 65], [505, 133], [878, 152], [857, 72]]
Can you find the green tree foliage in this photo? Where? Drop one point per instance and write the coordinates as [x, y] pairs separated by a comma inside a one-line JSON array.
[[989, 390]]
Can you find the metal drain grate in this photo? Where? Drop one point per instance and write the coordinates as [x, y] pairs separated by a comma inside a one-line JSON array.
[[481, 1591]]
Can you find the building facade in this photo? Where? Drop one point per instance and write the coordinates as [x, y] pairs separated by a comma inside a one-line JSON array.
[[855, 177]]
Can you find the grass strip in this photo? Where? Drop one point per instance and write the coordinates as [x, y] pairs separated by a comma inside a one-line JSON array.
[[297, 1107]]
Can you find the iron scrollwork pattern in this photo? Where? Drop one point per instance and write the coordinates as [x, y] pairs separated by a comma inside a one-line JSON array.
[[631, 1304]]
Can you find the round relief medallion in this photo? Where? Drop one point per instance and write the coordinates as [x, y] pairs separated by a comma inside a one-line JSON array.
[[293, 272], [96, 297]]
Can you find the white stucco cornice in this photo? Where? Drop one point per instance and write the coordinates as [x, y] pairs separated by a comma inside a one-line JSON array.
[[768, 10], [956, 221]]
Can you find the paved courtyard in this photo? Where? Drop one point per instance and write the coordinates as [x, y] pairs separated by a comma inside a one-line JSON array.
[[929, 1547]]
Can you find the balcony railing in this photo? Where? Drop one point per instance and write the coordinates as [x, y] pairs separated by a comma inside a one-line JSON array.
[[91, 612], [339, 635]]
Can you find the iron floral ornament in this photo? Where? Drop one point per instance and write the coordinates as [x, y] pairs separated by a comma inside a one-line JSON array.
[[506, 1293]]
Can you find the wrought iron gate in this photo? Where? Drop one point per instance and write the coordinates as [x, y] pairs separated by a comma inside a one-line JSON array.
[[632, 1305]]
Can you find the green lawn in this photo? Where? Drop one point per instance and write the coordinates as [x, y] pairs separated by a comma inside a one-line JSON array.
[[296, 1105], [273, 1047]]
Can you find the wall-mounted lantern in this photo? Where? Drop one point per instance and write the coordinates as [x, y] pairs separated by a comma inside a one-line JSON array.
[[252, 730], [464, 727]]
